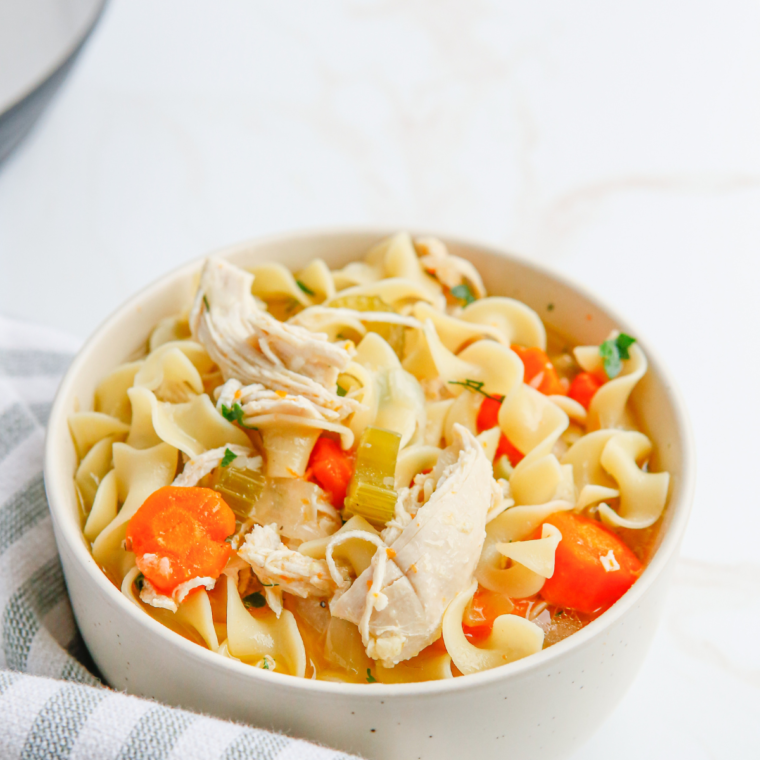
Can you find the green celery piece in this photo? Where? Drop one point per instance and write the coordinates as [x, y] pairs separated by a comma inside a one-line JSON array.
[[393, 335], [371, 492], [239, 488]]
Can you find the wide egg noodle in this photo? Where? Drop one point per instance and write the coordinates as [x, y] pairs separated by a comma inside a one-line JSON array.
[[92, 469], [514, 524], [642, 494], [495, 365], [251, 638], [463, 411], [87, 428], [512, 638], [317, 278], [395, 292], [436, 413], [454, 333], [168, 330], [193, 427], [111, 394], [271, 281], [533, 424], [195, 611], [608, 406], [393, 397], [138, 474], [413, 460], [398, 258], [536, 554], [517, 323], [422, 667], [104, 508], [357, 550], [174, 371]]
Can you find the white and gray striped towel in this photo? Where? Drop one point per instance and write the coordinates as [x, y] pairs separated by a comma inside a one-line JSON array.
[[51, 703]]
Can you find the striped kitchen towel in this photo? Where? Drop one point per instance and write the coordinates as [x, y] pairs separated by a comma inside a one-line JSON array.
[[52, 705]]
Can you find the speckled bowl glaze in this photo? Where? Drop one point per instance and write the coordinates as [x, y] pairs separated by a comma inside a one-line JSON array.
[[543, 706]]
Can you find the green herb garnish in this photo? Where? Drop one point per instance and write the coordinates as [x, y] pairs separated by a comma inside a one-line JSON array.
[[256, 600], [370, 677], [235, 414], [341, 391], [613, 351], [139, 582], [266, 664], [477, 387], [463, 293], [550, 307], [559, 613], [269, 585], [306, 289], [228, 458], [205, 301]]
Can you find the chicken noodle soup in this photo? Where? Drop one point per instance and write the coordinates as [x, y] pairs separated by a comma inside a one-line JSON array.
[[374, 474]]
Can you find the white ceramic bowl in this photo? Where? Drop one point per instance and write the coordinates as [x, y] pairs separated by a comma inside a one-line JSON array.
[[543, 706]]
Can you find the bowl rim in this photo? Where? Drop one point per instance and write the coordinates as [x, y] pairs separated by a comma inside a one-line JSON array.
[[71, 534]]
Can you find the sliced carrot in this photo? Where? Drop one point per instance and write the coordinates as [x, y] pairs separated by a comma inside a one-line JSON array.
[[583, 388], [508, 449], [178, 534], [539, 371], [593, 568], [331, 469], [488, 414], [480, 614]]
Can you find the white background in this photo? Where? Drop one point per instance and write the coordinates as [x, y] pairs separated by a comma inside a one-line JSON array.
[[616, 142]]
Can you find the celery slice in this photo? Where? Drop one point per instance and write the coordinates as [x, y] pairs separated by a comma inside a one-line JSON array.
[[393, 335], [239, 488], [371, 492]]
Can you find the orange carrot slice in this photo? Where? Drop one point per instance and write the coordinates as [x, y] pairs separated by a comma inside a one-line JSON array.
[[539, 371], [593, 568], [331, 469], [179, 534], [583, 388]]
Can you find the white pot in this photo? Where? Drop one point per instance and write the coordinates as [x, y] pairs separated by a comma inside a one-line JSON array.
[[543, 706]]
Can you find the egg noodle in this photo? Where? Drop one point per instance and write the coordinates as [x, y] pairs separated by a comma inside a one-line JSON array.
[[371, 474]]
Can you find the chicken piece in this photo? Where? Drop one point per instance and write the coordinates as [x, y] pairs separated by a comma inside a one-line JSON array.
[[249, 344], [399, 601], [256, 400], [276, 565], [198, 467], [449, 270]]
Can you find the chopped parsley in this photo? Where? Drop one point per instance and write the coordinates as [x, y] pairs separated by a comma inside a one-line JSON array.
[[477, 387], [463, 293], [235, 414], [139, 582], [269, 585], [205, 301], [370, 677], [550, 307], [613, 351], [341, 391], [266, 664], [306, 289], [256, 600], [228, 458], [559, 613]]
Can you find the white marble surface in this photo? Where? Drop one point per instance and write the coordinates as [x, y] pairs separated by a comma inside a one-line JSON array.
[[619, 143]]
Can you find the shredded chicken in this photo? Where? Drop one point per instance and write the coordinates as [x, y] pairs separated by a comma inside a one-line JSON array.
[[399, 601], [197, 468], [256, 400], [249, 344], [276, 565], [449, 270]]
